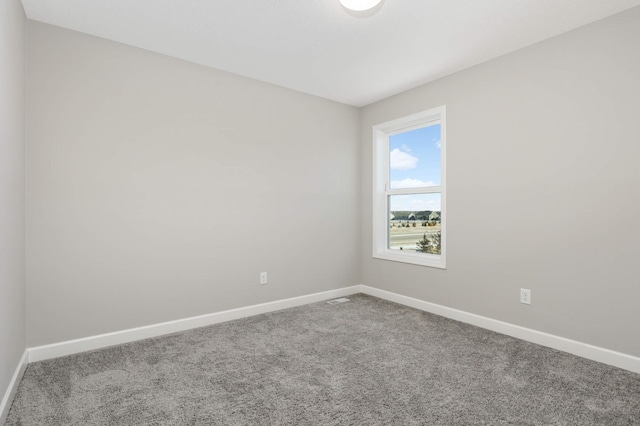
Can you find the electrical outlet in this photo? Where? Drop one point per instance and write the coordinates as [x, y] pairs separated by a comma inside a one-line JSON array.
[[263, 277], [525, 296]]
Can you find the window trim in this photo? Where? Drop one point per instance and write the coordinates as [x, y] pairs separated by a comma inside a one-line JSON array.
[[381, 192]]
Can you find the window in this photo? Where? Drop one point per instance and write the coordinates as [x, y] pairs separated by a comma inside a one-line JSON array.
[[409, 189]]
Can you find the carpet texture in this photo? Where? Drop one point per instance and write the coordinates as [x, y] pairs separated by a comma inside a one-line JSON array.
[[363, 362]]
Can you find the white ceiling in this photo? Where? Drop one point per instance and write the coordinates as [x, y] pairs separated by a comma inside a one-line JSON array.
[[315, 47]]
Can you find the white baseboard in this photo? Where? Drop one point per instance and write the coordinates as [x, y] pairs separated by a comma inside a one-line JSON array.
[[5, 405], [70, 347], [584, 350], [595, 353]]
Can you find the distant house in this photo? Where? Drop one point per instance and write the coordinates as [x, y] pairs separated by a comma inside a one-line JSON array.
[[412, 216], [391, 216], [434, 217]]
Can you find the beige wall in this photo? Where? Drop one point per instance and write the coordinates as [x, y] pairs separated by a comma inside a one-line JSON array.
[[543, 187], [12, 134], [159, 190]]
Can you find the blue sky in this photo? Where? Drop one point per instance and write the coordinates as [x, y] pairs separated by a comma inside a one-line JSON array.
[[414, 161]]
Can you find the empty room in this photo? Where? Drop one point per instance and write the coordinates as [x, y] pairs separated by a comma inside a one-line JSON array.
[[331, 212]]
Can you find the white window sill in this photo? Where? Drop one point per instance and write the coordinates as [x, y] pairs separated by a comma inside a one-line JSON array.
[[422, 259]]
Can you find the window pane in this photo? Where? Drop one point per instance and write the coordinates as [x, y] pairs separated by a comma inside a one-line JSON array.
[[414, 158], [414, 223]]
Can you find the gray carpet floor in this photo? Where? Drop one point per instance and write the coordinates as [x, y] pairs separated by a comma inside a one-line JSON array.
[[364, 362]]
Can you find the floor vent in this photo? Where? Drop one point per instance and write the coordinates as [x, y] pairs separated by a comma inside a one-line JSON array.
[[336, 301]]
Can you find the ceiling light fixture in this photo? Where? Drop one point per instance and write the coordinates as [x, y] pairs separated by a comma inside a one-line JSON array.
[[362, 8], [360, 5]]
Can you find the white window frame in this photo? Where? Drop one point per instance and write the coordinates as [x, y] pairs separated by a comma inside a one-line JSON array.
[[381, 190]]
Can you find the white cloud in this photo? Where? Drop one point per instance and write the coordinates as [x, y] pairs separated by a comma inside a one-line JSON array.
[[415, 204], [438, 144], [405, 148], [400, 160], [410, 183]]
